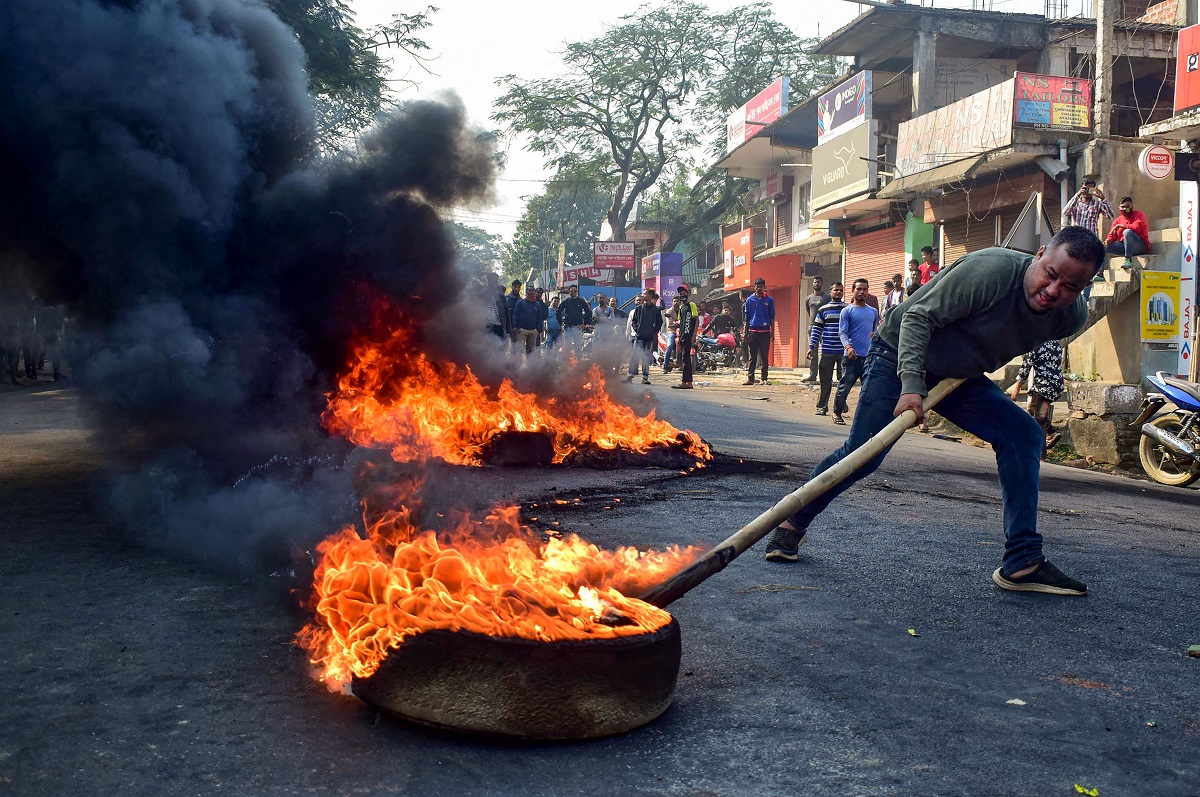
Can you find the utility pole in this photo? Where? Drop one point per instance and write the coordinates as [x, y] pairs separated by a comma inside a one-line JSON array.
[[1105, 38]]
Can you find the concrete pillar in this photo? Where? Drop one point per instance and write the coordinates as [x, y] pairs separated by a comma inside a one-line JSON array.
[[924, 67], [1106, 14]]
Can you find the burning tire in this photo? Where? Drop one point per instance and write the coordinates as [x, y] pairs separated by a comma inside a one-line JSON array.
[[526, 689]]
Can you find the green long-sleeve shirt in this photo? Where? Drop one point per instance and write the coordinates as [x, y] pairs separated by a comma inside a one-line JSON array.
[[972, 318]]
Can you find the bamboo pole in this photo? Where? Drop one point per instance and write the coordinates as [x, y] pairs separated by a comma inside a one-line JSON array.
[[719, 557]]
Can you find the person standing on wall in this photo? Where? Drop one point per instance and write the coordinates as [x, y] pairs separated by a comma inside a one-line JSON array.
[[759, 313]]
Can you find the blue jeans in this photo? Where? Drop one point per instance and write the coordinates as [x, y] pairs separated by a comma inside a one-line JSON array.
[[852, 371], [1130, 245], [982, 409], [669, 354]]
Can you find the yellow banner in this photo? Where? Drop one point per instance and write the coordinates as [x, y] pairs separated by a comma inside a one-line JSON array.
[[1160, 307]]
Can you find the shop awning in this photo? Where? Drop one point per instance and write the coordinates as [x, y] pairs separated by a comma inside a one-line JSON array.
[[931, 178], [828, 242]]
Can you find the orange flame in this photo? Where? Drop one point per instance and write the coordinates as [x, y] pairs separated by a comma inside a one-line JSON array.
[[397, 399], [493, 576]]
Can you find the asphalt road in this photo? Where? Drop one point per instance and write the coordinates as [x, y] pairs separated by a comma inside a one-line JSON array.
[[130, 672]]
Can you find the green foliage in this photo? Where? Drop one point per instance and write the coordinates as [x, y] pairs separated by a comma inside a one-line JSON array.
[[346, 75], [645, 95], [568, 212], [478, 249]]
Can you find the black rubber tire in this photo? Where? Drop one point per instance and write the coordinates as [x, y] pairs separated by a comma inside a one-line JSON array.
[[1160, 464]]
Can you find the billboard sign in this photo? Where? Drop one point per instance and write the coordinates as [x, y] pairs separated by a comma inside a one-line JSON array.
[[844, 166], [1189, 203], [843, 108], [613, 254], [971, 126], [739, 253], [1187, 70], [1050, 102], [571, 276], [765, 107], [1160, 307], [955, 78]]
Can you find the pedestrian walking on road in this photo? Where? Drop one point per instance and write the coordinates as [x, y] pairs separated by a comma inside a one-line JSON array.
[[826, 339], [983, 311], [856, 327]]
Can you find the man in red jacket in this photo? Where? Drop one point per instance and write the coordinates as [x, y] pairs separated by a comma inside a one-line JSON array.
[[1130, 233]]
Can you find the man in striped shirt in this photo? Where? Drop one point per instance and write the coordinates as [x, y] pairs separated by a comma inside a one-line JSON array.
[[825, 333]]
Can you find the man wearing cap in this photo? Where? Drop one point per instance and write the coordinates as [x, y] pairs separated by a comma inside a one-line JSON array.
[[689, 315], [759, 313]]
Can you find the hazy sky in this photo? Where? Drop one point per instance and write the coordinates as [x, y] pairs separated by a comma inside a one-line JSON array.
[[476, 42]]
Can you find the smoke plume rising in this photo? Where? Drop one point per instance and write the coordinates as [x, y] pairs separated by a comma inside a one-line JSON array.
[[157, 176]]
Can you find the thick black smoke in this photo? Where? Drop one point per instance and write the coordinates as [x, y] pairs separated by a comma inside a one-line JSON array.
[[157, 177]]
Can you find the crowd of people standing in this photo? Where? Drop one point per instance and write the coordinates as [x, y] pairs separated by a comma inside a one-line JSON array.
[[31, 337]]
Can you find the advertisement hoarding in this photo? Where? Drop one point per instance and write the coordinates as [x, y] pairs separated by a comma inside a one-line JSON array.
[[1160, 307], [739, 253], [613, 254], [1189, 204], [956, 78], [765, 107], [1050, 102], [1187, 70], [844, 107], [844, 166], [971, 126]]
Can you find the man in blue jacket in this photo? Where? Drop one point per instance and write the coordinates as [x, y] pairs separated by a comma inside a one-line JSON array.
[[529, 321], [759, 313]]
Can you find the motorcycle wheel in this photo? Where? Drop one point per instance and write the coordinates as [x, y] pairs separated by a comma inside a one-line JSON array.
[[1159, 463]]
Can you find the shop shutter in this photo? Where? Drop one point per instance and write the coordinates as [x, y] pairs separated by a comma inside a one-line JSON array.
[[783, 223], [876, 256], [968, 234], [784, 346]]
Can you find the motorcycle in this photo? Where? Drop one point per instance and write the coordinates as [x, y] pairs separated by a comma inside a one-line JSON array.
[[1170, 445], [722, 351]]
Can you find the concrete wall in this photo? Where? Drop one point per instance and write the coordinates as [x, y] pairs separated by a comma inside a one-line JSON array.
[[1111, 351], [1114, 167]]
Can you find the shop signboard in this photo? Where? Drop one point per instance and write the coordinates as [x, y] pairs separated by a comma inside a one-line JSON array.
[[571, 276], [768, 105], [739, 254], [613, 254], [843, 108], [845, 166], [971, 126], [1052, 102], [1160, 307], [1189, 204], [1187, 70]]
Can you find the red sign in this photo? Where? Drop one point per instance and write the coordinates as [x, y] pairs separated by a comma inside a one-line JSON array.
[[613, 254], [739, 254], [571, 275], [1187, 70], [766, 106], [1052, 102]]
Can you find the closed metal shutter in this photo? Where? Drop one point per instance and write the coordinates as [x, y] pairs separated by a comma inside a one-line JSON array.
[[784, 346], [783, 224], [968, 235], [876, 256]]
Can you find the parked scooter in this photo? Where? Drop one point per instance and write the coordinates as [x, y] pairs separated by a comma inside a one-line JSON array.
[[1170, 444]]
